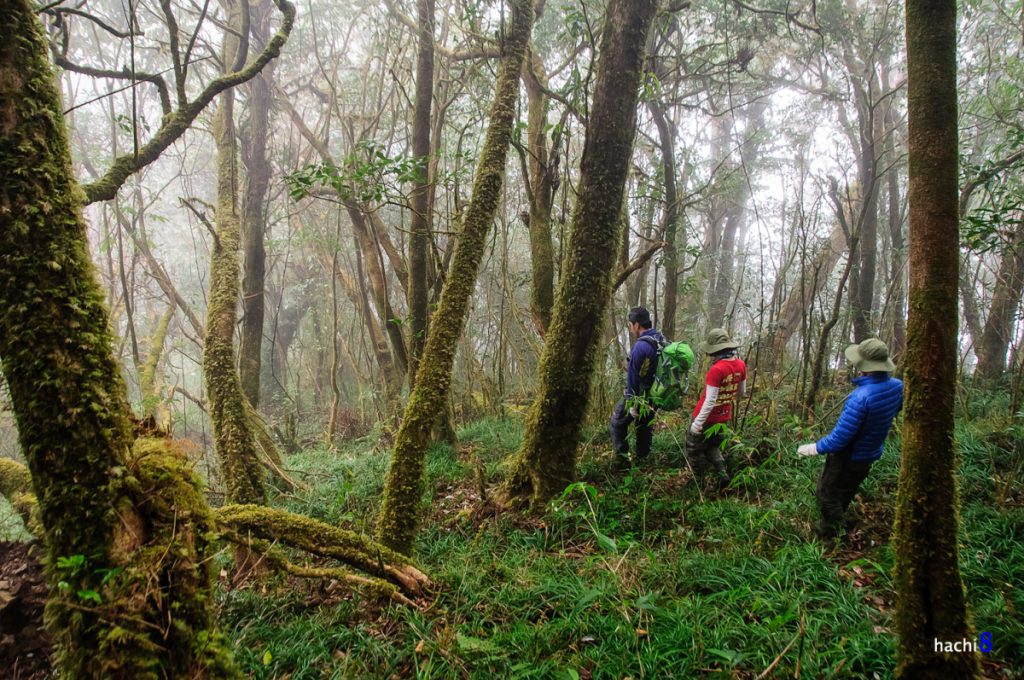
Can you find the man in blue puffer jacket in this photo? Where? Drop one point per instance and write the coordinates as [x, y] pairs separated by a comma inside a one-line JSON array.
[[856, 440]]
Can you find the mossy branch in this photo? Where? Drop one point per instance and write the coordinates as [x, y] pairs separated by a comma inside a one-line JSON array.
[[175, 124], [274, 557], [248, 522]]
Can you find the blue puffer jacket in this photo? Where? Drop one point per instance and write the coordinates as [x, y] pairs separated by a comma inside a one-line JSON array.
[[866, 418]]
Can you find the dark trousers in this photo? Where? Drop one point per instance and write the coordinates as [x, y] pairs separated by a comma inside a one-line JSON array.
[[704, 451], [620, 431], [838, 484]]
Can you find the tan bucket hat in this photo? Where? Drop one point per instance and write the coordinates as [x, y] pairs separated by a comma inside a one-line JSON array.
[[717, 340], [870, 355]]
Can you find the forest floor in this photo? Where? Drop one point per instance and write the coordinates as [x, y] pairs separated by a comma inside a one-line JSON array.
[[25, 646], [631, 574], [635, 574]]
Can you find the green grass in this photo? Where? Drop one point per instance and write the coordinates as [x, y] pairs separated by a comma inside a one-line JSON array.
[[631, 575]]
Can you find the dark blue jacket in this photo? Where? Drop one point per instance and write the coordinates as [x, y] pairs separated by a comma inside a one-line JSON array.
[[643, 362], [866, 418]]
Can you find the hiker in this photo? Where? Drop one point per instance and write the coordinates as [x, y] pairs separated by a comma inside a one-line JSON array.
[[725, 382], [634, 406], [856, 440]]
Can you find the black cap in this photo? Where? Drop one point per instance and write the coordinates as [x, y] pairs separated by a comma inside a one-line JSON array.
[[641, 316]]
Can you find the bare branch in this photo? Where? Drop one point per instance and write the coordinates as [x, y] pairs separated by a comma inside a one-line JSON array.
[[175, 124]]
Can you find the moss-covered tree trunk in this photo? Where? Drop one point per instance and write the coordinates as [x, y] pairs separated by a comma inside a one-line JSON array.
[[399, 516], [126, 526], [254, 137], [930, 601], [150, 383], [419, 236], [547, 459], [543, 171], [233, 436]]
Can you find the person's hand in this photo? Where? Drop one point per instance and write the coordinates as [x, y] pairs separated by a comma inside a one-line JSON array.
[[807, 449], [696, 430], [634, 412]]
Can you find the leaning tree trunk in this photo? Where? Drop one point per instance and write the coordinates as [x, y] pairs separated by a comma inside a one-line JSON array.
[[546, 462], [113, 515], [930, 593], [233, 435], [400, 511]]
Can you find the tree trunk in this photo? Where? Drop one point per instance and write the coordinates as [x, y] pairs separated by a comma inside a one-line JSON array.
[[870, 130], [420, 236], [254, 215], [233, 437], [998, 329], [112, 517], [897, 275], [735, 215], [930, 593], [400, 511], [543, 171], [546, 462], [150, 384], [377, 279], [813, 279], [667, 140]]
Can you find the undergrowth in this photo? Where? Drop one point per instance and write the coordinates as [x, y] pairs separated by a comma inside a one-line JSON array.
[[635, 574]]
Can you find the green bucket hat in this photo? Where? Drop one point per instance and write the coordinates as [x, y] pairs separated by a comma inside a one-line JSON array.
[[717, 340], [869, 356]]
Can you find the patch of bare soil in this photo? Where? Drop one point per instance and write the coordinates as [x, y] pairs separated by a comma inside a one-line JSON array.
[[26, 649]]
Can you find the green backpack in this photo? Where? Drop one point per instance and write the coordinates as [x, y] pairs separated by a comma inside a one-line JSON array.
[[671, 375]]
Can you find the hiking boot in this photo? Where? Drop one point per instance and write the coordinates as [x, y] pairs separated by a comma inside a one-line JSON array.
[[621, 462], [825, 530]]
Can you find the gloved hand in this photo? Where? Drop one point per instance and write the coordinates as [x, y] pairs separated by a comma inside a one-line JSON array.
[[807, 449], [696, 429], [634, 412]]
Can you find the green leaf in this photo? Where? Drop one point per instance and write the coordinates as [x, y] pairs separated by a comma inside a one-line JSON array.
[[606, 543], [467, 643], [89, 595], [267, 658]]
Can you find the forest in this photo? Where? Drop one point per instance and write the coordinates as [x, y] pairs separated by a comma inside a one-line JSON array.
[[511, 339]]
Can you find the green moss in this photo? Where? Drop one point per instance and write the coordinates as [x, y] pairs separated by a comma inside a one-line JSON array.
[[161, 594], [16, 486], [149, 386], [233, 436]]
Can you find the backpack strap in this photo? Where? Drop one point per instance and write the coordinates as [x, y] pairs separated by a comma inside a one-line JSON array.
[[657, 345]]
